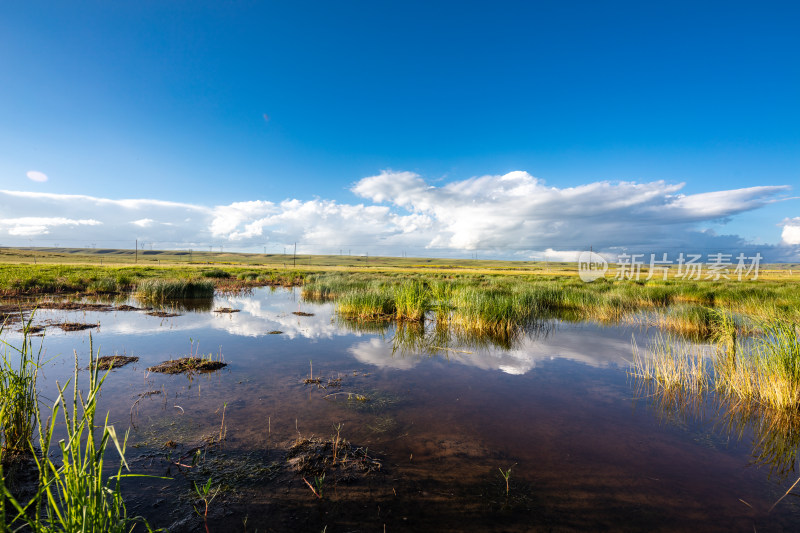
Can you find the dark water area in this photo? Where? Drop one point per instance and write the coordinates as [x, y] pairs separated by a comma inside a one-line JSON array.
[[588, 451]]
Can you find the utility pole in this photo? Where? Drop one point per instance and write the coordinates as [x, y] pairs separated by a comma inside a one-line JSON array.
[[295, 253], [136, 254]]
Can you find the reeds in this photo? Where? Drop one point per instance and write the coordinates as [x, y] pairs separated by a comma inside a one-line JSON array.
[[367, 305], [756, 378], [484, 302], [173, 289], [672, 364], [411, 301], [73, 493], [18, 393]]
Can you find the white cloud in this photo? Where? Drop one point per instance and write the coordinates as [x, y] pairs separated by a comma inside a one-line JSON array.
[[510, 215], [118, 222], [719, 204], [31, 226], [791, 231], [35, 175], [517, 211]]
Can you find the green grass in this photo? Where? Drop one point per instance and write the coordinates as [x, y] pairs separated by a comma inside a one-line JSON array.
[[760, 373], [764, 371], [18, 396], [366, 305], [215, 273], [160, 290], [672, 364], [502, 298], [73, 492], [20, 279], [487, 302], [411, 301]]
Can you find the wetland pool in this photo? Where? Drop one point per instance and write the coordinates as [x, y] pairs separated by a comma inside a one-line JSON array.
[[425, 422]]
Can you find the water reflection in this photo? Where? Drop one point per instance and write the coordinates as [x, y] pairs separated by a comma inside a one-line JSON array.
[[178, 305], [398, 346], [403, 346], [258, 314], [774, 437]]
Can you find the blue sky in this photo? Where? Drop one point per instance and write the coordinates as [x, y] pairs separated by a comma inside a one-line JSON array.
[[255, 113]]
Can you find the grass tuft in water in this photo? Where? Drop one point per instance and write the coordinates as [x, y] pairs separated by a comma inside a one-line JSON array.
[[160, 290], [18, 393], [366, 305], [411, 301], [73, 492], [672, 364]]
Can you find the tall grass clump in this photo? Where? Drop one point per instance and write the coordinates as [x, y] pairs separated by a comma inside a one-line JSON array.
[[173, 289], [777, 365], [73, 494], [672, 365], [689, 320], [366, 305], [441, 294], [215, 273], [485, 310], [326, 287], [18, 374], [103, 285], [411, 300]]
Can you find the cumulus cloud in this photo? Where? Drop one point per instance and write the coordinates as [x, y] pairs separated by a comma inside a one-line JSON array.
[[518, 211], [510, 215], [791, 231], [35, 175], [318, 222]]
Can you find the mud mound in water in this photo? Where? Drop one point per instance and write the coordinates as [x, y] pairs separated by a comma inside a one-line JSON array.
[[115, 361], [187, 365], [76, 326], [333, 457], [74, 306]]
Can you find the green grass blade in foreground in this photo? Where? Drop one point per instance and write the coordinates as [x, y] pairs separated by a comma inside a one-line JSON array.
[[73, 494], [18, 393]]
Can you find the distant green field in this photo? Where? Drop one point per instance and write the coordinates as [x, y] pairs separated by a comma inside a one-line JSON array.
[[309, 263], [107, 256]]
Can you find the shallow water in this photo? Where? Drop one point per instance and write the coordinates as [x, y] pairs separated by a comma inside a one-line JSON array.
[[586, 451]]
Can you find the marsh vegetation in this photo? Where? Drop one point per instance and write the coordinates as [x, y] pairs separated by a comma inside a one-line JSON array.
[[449, 404]]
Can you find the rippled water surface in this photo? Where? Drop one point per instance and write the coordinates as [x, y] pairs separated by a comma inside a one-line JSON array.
[[442, 415]]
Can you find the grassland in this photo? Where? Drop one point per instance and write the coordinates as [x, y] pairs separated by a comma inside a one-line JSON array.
[[470, 294]]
